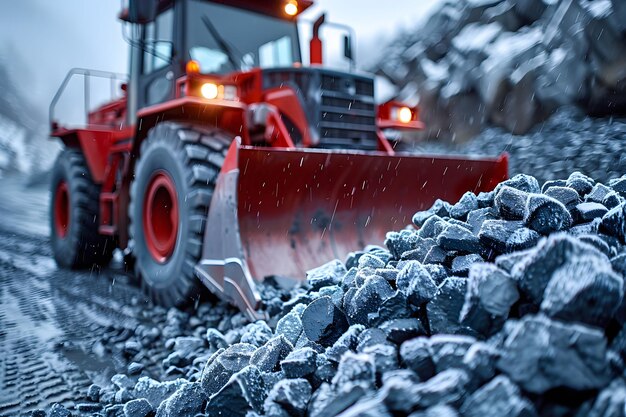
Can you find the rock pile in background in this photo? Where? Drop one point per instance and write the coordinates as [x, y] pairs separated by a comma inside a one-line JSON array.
[[510, 63], [505, 303], [568, 141]]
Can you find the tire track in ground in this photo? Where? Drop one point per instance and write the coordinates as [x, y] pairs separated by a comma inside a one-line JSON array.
[[52, 323]]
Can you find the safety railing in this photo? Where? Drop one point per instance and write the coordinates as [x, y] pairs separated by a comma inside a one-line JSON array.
[[115, 80]]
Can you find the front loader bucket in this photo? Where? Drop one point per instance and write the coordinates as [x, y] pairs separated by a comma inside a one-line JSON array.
[[280, 212]]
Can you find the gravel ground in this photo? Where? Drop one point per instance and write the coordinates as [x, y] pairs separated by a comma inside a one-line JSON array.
[[506, 303], [567, 142]]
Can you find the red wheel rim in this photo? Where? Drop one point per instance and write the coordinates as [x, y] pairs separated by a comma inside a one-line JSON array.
[[61, 209], [160, 216]]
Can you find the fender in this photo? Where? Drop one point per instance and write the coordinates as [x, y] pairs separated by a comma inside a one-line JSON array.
[[225, 114]]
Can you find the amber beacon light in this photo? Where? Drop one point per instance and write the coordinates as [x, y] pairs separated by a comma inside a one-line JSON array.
[[291, 8]]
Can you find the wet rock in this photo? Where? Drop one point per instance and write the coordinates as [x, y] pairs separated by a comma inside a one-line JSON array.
[[436, 255], [323, 322], [155, 392], [500, 397], [93, 393], [448, 351], [325, 275], [614, 223], [398, 394], [267, 357], [347, 341], [505, 235], [447, 387], [416, 355], [585, 289], [541, 354], [135, 368], [367, 408], [290, 325], [522, 182], [485, 199], [57, 410], [491, 293], [122, 381], [612, 200], [432, 227], [444, 309], [510, 203], [581, 183], [546, 215], [88, 407], [480, 361], [292, 396], [187, 401], [552, 183], [299, 363], [437, 272], [370, 337], [223, 364], [610, 401], [256, 334], [385, 357], [586, 212], [420, 249], [138, 408], [461, 264], [402, 241], [476, 218], [457, 238], [534, 271], [466, 204], [440, 208], [399, 330], [396, 306], [369, 260], [619, 264], [416, 283], [216, 339], [355, 369], [243, 392], [366, 301], [565, 195], [597, 194]]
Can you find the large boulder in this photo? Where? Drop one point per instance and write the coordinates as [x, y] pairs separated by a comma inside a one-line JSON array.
[[541, 354]]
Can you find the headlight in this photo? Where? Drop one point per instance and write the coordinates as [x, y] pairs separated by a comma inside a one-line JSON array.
[[209, 91], [405, 115], [212, 91]]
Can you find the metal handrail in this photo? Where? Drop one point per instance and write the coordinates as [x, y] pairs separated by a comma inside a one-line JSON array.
[[86, 74]]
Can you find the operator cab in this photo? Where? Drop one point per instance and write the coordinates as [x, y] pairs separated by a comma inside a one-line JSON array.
[[221, 38]]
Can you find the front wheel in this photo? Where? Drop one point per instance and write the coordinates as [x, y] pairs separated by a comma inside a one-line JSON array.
[[174, 181]]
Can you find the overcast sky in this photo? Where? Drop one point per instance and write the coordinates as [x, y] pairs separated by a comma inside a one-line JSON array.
[[43, 39]]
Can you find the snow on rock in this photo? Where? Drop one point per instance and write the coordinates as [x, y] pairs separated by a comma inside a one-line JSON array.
[[531, 324], [472, 64]]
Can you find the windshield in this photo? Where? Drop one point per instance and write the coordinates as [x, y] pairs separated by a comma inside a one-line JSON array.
[[224, 39]]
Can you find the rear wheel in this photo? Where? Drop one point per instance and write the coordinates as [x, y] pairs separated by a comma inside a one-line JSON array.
[[74, 215], [170, 196]]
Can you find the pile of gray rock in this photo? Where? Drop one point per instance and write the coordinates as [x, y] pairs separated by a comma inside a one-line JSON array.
[[510, 63], [506, 303], [568, 141]]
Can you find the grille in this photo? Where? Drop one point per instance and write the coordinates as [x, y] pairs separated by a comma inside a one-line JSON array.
[[340, 107], [347, 113]]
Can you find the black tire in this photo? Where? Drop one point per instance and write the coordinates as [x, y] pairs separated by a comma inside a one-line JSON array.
[[192, 158], [78, 243]]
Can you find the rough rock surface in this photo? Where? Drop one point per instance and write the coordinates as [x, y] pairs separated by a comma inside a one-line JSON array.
[[534, 324], [471, 64]]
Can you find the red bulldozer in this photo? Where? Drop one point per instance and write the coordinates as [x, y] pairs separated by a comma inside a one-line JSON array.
[[225, 160]]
